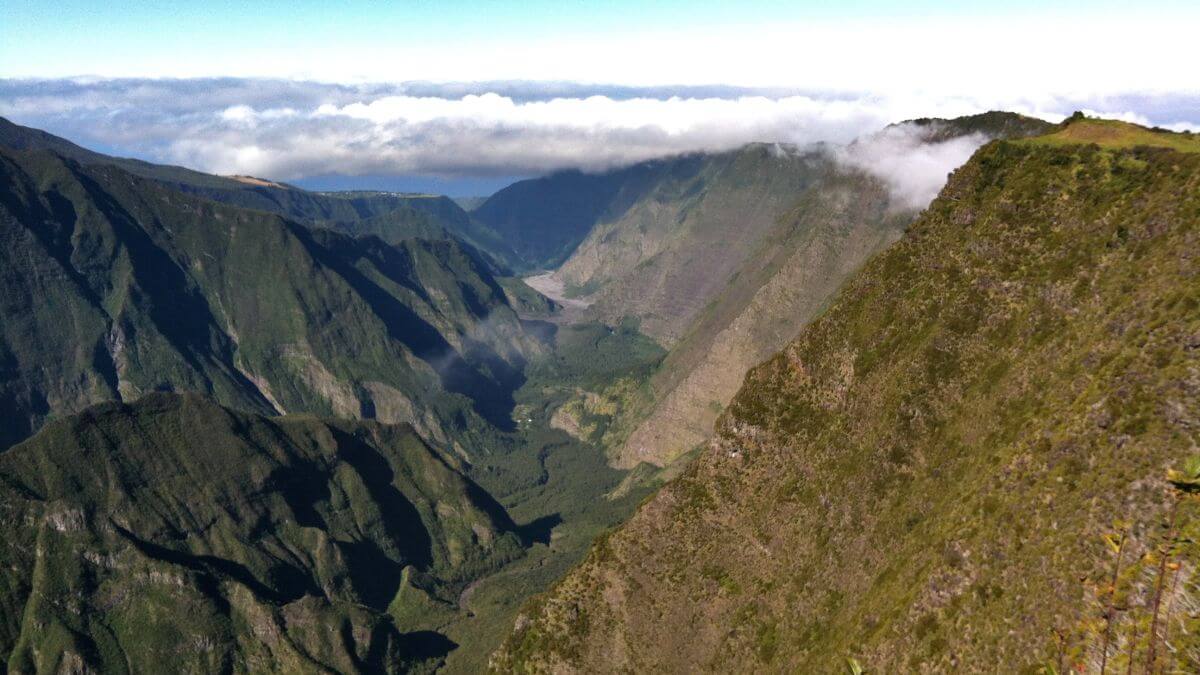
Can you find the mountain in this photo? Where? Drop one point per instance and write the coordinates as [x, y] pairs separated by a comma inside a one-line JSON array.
[[730, 263], [390, 215], [120, 294], [783, 281], [395, 217], [960, 465], [662, 259], [174, 535], [113, 286], [545, 218]]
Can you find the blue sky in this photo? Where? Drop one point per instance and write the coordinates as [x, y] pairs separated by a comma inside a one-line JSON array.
[[535, 39]]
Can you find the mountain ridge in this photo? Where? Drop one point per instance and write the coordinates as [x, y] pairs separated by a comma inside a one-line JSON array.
[[174, 291], [924, 479]]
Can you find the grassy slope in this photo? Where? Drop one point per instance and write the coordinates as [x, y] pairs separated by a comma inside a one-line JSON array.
[[176, 535], [922, 478], [1115, 134]]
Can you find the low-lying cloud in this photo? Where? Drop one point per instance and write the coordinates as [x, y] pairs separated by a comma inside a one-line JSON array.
[[913, 168], [288, 130]]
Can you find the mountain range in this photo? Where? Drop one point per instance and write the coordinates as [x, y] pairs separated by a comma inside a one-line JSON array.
[[778, 415]]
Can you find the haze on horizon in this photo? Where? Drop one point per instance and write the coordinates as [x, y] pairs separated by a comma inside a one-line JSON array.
[[465, 97]]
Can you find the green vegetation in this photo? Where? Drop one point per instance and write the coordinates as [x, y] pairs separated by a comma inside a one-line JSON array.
[[559, 486], [1116, 135], [388, 215], [923, 477], [176, 535], [992, 124], [114, 286]]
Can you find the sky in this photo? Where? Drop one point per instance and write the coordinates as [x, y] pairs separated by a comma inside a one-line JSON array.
[[469, 95]]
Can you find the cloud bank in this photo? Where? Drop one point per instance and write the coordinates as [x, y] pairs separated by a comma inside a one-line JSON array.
[[289, 130]]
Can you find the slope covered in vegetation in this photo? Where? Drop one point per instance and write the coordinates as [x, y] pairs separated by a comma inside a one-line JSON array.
[[116, 286], [960, 465], [389, 215], [112, 286], [173, 535]]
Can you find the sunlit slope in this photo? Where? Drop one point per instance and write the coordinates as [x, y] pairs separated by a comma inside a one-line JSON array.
[[1114, 134], [925, 477]]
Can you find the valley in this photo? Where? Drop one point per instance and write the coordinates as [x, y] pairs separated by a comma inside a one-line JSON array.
[[758, 409]]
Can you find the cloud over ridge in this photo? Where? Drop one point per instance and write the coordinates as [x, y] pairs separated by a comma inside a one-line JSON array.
[[288, 130]]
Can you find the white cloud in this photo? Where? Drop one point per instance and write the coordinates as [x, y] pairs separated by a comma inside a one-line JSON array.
[[289, 130], [1082, 50], [913, 169]]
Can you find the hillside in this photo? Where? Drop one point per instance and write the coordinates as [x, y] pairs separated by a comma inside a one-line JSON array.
[[391, 216], [396, 217], [838, 223], [173, 535], [112, 286], [749, 272], [116, 287], [545, 218], [662, 259], [960, 465]]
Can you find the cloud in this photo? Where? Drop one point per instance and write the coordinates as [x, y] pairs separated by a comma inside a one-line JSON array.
[[913, 169], [289, 130]]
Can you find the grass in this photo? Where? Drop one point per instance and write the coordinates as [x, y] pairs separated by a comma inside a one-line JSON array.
[[1116, 135]]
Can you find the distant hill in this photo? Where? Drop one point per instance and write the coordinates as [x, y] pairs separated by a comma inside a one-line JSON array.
[[961, 465], [174, 535], [544, 219], [389, 215]]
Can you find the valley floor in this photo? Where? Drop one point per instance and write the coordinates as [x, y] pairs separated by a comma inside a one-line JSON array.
[[549, 285], [560, 488]]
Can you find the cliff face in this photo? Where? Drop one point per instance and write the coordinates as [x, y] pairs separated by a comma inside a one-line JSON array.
[[841, 220], [662, 260], [937, 472]]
